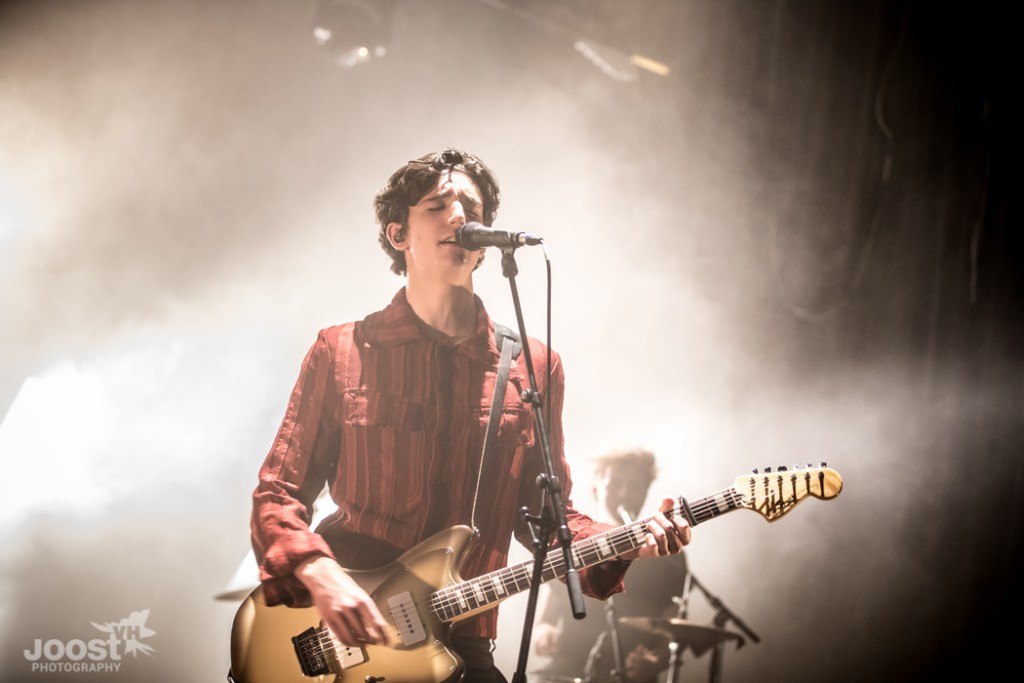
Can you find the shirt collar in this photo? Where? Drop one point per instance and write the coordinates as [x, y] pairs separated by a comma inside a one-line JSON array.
[[398, 324]]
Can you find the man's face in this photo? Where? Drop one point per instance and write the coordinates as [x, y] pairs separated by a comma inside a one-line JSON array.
[[430, 247], [624, 487]]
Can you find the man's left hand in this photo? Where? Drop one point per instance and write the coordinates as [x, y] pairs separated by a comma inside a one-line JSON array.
[[664, 536]]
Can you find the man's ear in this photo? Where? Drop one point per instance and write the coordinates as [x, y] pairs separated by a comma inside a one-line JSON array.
[[397, 237]]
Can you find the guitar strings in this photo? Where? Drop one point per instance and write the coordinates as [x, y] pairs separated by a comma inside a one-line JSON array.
[[330, 645], [459, 599]]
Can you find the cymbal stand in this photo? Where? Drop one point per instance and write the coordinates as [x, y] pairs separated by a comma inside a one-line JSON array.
[[683, 601], [675, 659], [593, 658], [613, 631], [612, 621]]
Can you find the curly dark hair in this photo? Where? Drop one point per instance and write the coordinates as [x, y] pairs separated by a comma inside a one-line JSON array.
[[407, 185], [633, 458]]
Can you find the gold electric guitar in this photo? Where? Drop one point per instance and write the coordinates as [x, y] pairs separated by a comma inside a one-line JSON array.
[[421, 593]]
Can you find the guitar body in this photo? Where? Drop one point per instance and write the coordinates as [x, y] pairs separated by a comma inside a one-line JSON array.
[[261, 637]]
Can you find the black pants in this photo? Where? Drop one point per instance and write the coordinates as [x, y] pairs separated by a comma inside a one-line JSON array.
[[479, 659]]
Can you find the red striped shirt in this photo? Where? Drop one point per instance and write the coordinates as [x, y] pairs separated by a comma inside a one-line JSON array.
[[391, 415]]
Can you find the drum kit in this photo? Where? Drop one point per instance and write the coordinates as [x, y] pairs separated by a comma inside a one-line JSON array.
[[677, 635], [674, 634]]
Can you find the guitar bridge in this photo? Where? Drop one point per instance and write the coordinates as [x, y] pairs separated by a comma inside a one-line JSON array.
[[310, 652]]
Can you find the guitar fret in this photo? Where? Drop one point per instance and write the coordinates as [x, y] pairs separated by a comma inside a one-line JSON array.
[[577, 557], [580, 557], [460, 598], [487, 587], [440, 604], [508, 581], [515, 581], [718, 504], [628, 540], [484, 591], [549, 571]]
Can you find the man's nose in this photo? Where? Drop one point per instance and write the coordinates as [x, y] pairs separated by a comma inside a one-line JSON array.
[[458, 216]]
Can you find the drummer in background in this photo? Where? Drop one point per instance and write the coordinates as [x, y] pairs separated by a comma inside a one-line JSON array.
[[583, 648]]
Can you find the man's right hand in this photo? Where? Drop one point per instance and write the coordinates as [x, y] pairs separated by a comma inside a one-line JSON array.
[[345, 607]]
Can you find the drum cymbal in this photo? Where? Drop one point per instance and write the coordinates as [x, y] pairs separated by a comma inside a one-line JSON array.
[[682, 631]]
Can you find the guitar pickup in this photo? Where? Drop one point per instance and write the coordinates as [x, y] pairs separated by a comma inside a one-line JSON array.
[[407, 619], [348, 657]]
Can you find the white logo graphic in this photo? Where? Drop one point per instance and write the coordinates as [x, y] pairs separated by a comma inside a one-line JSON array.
[[98, 654]]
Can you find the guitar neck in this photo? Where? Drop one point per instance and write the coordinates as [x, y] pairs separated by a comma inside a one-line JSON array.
[[486, 591]]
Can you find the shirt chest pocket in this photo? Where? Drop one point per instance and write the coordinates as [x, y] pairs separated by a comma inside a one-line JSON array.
[[515, 427], [378, 409], [387, 423], [385, 455]]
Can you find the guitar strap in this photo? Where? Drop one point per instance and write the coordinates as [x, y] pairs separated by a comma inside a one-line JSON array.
[[511, 346]]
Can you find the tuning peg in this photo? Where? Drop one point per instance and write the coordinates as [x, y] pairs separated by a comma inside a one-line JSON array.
[[754, 470], [823, 464], [810, 465], [780, 468], [767, 470]]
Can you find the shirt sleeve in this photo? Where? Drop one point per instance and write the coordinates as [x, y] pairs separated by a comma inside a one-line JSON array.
[[291, 478], [601, 580]]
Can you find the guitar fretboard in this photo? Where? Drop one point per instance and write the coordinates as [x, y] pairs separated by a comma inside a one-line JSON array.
[[489, 589]]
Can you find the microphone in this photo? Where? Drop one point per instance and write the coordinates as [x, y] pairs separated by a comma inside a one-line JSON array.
[[474, 236]]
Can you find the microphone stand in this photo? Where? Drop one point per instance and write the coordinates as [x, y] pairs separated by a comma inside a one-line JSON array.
[[722, 615], [553, 515]]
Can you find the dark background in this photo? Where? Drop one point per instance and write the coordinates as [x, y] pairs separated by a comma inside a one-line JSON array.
[[799, 245]]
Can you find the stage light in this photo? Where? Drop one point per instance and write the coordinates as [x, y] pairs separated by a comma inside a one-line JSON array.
[[354, 31], [616, 64]]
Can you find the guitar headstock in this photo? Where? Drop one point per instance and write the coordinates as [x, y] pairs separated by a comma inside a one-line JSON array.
[[773, 493]]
